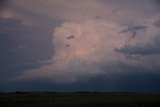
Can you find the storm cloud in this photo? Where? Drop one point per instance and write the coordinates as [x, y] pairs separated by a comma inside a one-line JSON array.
[[97, 44], [78, 40]]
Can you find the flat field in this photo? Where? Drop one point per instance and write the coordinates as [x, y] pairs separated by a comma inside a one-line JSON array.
[[48, 99]]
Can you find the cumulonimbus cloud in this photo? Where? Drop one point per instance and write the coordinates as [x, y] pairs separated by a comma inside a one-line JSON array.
[[80, 48], [83, 47], [91, 39]]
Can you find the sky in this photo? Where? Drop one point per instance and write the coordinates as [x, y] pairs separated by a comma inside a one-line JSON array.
[[80, 45]]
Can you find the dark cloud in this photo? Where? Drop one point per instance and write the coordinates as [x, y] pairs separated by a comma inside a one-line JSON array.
[[133, 82], [133, 30], [3, 3], [22, 46], [19, 39], [3, 6], [156, 40], [142, 48], [139, 49], [156, 1], [157, 23], [71, 37]]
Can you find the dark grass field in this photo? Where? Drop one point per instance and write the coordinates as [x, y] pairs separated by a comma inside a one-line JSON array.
[[47, 99]]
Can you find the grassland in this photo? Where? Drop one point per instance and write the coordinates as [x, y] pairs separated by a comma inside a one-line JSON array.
[[46, 99]]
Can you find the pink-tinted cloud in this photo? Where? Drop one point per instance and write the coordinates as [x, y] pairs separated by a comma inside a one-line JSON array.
[[93, 34]]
